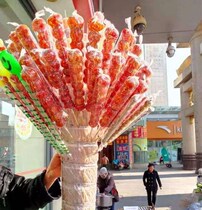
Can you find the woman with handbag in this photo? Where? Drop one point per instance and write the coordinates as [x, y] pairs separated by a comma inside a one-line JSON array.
[[106, 184]]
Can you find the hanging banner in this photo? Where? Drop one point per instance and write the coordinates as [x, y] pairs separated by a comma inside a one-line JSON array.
[[23, 126]]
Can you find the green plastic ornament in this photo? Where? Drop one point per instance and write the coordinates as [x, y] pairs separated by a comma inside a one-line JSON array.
[[10, 63]]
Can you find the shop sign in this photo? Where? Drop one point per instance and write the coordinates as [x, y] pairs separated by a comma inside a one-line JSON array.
[[139, 132], [122, 139], [122, 148], [164, 130]]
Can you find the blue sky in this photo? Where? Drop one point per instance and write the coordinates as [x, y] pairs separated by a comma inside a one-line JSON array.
[[172, 64]]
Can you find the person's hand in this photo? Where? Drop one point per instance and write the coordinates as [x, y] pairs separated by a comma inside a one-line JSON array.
[[53, 171]]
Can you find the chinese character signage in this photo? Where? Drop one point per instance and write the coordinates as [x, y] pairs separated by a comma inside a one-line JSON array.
[[122, 139], [139, 132], [122, 148]]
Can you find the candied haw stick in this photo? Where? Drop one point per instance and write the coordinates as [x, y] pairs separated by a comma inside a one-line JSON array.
[[129, 69], [46, 97], [136, 108], [116, 64], [144, 71], [75, 58], [99, 96], [76, 25], [111, 36], [14, 38], [23, 90], [45, 68], [95, 26], [120, 98], [12, 48], [136, 49], [55, 21], [40, 27], [93, 64], [52, 63], [55, 76], [125, 41], [26, 38]]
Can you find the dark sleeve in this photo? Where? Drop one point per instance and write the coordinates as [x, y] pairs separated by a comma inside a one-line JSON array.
[[158, 179], [144, 178], [110, 185], [31, 193], [98, 182]]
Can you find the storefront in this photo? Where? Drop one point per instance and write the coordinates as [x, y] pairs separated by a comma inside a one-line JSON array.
[[164, 139], [139, 140], [108, 151], [22, 147]]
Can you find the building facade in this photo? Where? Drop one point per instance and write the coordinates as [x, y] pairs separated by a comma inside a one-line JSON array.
[[155, 53], [146, 139]]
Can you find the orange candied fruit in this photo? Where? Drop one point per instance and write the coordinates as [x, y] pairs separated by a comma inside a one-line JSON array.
[[95, 26]]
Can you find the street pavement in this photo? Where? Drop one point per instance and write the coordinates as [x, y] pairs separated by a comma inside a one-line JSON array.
[[178, 185]]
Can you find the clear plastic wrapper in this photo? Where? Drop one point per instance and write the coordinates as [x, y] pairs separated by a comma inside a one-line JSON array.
[[40, 27], [98, 100], [95, 26], [143, 110], [130, 68], [75, 58], [57, 24], [111, 36], [92, 69], [116, 64], [55, 21], [76, 25], [26, 38], [31, 111], [12, 48], [14, 38], [144, 72], [80, 190], [126, 39], [121, 96], [44, 95], [136, 49], [48, 58]]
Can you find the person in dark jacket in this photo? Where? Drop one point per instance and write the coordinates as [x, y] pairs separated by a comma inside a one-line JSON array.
[[150, 179], [18, 193], [105, 182]]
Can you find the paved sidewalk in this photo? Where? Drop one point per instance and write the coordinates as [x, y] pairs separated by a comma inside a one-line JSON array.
[[177, 186]]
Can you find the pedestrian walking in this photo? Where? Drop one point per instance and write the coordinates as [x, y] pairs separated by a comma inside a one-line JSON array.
[[150, 179]]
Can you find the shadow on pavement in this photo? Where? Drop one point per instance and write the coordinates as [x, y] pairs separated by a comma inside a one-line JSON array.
[[174, 201]]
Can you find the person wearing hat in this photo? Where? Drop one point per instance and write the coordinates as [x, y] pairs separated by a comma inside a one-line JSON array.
[[150, 179], [105, 182]]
